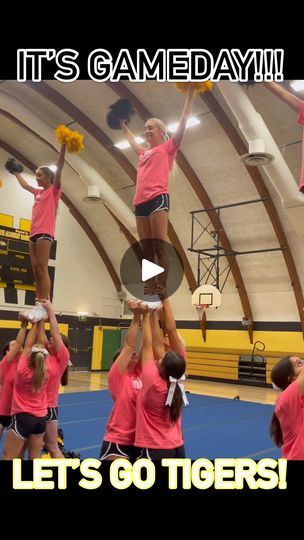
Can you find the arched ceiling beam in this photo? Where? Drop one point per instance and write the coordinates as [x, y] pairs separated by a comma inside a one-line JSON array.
[[271, 210]]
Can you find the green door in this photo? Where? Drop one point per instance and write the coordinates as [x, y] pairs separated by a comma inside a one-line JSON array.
[[110, 344]]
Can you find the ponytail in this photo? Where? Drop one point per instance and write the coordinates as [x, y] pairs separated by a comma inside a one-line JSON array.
[[275, 430], [173, 365], [176, 405], [37, 363]]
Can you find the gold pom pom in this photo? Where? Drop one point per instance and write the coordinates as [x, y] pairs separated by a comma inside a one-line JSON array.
[[200, 87], [72, 139]]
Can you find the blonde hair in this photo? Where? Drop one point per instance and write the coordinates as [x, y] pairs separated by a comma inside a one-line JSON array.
[[160, 124], [37, 363]]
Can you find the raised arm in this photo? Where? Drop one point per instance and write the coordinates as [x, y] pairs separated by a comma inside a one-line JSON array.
[[157, 339], [59, 165], [30, 339], [138, 148], [125, 356], [147, 350], [17, 346], [174, 340], [23, 183], [41, 336], [54, 330], [293, 101], [179, 133]]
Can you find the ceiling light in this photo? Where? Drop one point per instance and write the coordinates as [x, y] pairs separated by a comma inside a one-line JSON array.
[[192, 121], [122, 145], [298, 86]]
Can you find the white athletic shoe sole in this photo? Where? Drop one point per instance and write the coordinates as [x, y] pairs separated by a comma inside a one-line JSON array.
[[153, 301]]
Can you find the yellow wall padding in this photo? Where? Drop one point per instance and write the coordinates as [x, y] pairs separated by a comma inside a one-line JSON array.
[[237, 341], [97, 347], [218, 357]]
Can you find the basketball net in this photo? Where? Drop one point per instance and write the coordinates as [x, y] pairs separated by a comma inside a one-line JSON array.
[[201, 311], [201, 308]]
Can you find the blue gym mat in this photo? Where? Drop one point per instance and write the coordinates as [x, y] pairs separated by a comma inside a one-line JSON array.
[[213, 427]]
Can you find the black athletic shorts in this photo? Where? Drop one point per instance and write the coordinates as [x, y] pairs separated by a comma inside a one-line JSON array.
[[110, 449], [52, 414], [24, 425], [160, 202], [41, 236], [156, 453]]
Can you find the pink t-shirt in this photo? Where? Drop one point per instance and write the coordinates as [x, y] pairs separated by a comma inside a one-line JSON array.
[[124, 389], [25, 398], [290, 412], [154, 427], [8, 375], [301, 121], [55, 366], [44, 211], [154, 165]]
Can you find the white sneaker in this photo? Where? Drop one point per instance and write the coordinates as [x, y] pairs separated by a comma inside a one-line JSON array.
[[40, 312], [153, 301], [26, 315]]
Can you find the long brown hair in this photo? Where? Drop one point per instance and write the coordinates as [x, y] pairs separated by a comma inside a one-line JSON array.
[[65, 376], [173, 365], [275, 430]]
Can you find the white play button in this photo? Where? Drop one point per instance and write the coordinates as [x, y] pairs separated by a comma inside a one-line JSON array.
[[149, 270]]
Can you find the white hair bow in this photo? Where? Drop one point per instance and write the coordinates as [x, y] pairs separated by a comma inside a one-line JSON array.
[[39, 349], [173, 383], [276, 388]]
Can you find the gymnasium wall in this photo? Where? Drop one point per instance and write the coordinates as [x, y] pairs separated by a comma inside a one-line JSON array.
[[82, 282]]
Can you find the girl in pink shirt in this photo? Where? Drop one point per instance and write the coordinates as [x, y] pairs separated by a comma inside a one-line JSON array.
[[42, 230], [297, 105], [287, 424], [57, 365], [8, 370], [158, 415], [151, 197], [124, 386], [29, 404]]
